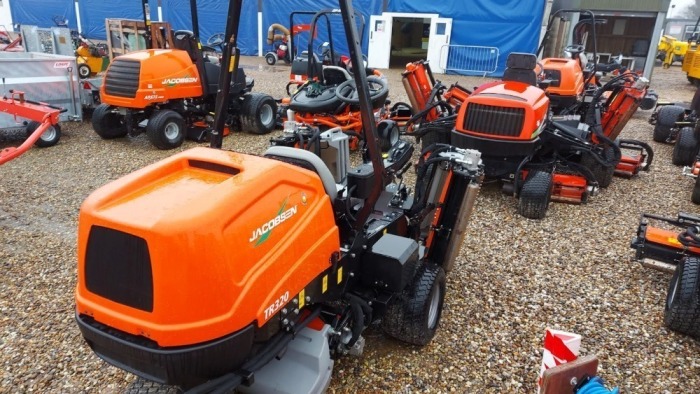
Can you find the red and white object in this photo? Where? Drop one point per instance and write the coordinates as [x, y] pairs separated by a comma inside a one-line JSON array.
[[559, 347]]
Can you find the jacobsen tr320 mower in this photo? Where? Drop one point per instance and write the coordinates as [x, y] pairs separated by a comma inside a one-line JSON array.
[[217, 269], [170, 93]]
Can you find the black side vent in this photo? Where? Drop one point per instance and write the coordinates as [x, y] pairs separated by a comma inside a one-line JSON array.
[[118, 267], [205, 165], [122, 78], [487, 119]]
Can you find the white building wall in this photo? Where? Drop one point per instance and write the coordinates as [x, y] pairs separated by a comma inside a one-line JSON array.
[[5, 15]]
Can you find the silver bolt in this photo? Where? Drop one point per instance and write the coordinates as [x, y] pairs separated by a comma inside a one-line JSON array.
[[284, 311], [353, 255], [574, 381], [285, 322], [308, 299], [296, 311], [295, 301]]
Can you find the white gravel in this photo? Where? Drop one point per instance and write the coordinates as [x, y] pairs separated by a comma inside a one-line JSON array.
[[514, 278]]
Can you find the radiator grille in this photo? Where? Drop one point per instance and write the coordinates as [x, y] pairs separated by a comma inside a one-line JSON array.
[[122, 78], [487, 119], [118, 267]]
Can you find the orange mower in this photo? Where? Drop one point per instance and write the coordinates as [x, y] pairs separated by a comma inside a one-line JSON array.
[[171, 93], [280, 265], [660, 245]]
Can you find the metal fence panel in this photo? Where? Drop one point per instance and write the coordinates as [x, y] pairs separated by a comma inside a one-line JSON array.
[[469, 59], [52, 79]]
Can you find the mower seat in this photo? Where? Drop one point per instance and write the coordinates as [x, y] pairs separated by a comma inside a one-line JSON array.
[[520, 67], [305, 159], [334, 75], [186, 41]]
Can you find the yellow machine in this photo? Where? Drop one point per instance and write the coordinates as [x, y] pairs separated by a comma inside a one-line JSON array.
[[671, 50], [91, 58]]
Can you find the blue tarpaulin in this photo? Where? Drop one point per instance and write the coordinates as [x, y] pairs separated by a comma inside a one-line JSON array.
[[509, 25], [212, 20], [274, 12]]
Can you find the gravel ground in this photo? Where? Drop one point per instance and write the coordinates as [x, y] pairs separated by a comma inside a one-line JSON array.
[[514, 278]]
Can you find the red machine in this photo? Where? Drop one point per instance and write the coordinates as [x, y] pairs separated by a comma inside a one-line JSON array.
[[42, 130]]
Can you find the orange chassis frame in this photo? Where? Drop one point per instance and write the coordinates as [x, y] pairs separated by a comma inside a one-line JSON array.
[[18, 106]]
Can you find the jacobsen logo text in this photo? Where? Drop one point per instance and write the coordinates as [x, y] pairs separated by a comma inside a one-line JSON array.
[[176, 81], [261, 233]]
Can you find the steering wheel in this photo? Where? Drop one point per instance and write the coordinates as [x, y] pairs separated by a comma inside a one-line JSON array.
[[181, 34], [540, 70], [216, 40], [347, 91], [575, 48]]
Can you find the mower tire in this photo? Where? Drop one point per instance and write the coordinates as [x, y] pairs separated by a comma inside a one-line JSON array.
[[666, 120], [414, 315], [535, 195], [695, 197], [84, 70], [107, 124], [143, 386], [270, 59], [258, 113], [686, 149], [50, 136], [434, 137], [603, 174], [166, 129], [682, 310]]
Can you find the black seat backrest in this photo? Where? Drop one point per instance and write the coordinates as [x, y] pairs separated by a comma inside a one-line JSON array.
[[520, 67], [186, 41], [300, 65]]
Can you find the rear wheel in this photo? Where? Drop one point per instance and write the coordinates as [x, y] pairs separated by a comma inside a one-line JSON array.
[[682, 310], [603, 174], [414, 315], [258, 113], [666, 119], [166, 129], [695, 197], [107, 123], [686, 149], [535, 195], [49, 137], [434, 137]]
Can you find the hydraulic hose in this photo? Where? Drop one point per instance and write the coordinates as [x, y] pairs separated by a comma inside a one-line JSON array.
[[595, 386], [690, 237]]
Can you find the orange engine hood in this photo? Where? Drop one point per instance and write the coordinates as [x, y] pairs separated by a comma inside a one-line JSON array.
[[227, 236]]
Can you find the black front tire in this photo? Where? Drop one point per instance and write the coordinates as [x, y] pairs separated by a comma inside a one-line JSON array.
[[695, 197], [166, 129], [258, 113], [49, 137], [143, 386], [666, 120], [84, 70], [686, 149], [414, 315], [535, 195], [107, 123], [682, 310]]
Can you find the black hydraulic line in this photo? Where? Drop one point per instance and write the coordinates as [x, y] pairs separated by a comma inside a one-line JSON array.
[[195, 19], [369, 126], [229, 67]]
